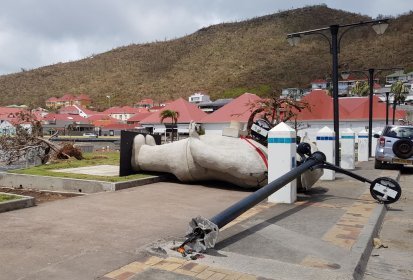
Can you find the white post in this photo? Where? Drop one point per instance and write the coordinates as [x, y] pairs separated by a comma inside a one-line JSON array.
[[348, 149], [281, 159], [373, 144], [325, 143], [363, 146]]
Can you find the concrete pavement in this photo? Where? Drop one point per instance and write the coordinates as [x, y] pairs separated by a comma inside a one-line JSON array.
[[326, 234], [128, 234], [88, 236], [394, 261]]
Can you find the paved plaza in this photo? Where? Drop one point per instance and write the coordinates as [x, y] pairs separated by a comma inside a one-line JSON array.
[[128, 234]]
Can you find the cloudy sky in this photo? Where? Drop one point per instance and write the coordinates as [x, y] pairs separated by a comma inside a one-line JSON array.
[[35, 33]]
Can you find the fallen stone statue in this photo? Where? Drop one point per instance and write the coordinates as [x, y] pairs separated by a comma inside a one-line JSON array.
[[237, 160]]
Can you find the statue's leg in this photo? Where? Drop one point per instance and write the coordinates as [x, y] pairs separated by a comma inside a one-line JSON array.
[[138, 142], [150, 140]]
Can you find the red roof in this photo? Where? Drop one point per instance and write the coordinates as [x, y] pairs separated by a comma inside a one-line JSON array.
[[124, 110], [67, 97], [64, 117], [350, 108], [187, 112], [238, 109], [74, 109], [353, 77], [139, 117], [319, 81], [146, 101], [7, 110], [100, 117], [69, 110], [156, 108], [118, 126]]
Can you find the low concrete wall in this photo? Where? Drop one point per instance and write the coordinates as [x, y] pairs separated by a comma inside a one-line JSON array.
[[22, 202], [70, 185]]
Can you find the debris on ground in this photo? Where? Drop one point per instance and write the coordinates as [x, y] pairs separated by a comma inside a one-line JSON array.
[[378, 244], [187, 251]]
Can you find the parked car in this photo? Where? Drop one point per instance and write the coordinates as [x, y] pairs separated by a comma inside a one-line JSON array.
[[91, 135], [395, 146]]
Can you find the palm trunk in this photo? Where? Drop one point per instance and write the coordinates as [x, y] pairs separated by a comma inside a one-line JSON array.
[[172, 131]]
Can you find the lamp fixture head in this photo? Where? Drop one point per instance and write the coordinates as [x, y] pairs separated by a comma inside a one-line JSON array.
[[294, 40], [345, 75], [380, 27]]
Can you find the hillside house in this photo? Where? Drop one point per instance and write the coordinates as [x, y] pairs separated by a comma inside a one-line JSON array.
[[123, 113], [199, 97], [320, 84], [399, 76], [68, 100], [145, 103]]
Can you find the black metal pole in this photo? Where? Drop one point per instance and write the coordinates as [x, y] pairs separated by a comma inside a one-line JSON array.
[[371, 85], [387, 108], [334, 52], [256, 197]]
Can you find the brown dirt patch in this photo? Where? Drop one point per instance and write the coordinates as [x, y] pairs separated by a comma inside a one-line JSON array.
[[40, 196]]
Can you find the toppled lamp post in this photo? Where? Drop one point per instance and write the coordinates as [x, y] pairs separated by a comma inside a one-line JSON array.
[[204, 232]]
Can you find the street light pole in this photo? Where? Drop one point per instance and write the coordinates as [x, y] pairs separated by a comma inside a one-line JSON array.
[[293, 39], [370, 77], [334, 51], [371, 86], [387, 107]]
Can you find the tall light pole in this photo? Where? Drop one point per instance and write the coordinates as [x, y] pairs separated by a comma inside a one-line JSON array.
[[334, 40], [370, 77], [108, 97], [387, 107]]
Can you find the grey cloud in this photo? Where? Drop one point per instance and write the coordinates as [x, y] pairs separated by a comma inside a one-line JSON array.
[[34, 33]]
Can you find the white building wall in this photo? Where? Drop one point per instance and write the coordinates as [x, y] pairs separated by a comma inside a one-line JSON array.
[[216, 128], [356, 126]]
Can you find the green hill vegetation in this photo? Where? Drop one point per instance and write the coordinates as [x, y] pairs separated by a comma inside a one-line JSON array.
[[222, 60]]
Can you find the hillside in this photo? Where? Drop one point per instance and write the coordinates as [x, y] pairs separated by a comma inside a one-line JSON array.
[[222, 60]]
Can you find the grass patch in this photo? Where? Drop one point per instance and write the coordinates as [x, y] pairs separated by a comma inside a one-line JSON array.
[[7, 197], [91, 159]]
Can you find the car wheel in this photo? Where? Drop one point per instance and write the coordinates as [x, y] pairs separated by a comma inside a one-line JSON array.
[[378, 164], [403, 148]]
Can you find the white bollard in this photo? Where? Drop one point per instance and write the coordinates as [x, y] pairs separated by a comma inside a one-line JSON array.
[[373, 144], [363, 146], [325, 143], [348, 149], [281, 159]]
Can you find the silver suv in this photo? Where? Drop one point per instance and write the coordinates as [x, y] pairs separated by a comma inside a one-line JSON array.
[[394, 146]]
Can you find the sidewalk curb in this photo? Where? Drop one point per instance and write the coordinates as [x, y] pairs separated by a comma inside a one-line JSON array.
[[22, 202], [71, 184], [361, 251]]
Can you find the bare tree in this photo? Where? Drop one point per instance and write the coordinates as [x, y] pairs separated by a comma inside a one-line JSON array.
[[275, 110], [28, 141]]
